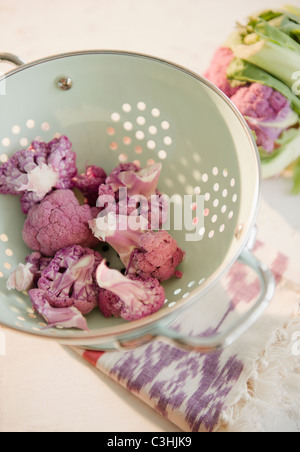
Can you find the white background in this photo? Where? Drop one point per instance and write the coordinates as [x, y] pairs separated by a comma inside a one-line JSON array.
[[43, 387]]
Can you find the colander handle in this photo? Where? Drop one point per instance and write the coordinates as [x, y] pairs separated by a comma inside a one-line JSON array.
[[11, 58], [226, 338]]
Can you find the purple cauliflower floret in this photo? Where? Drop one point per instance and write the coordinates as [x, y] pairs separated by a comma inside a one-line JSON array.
[[114, 230], [90, 182], [261, 105], [146, 253], [59, 221], [63, 317], [158, 256], [132, 191], [155, 210], [33, 173], [130, 298], [113, 179], [25, 277], [142, 182], [70, 279], [38, 263]]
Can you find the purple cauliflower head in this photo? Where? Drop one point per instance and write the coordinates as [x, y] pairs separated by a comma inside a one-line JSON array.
[[33, 173], [70, 279], [130, 298], [90, 182], [59, 221], [265, 110]]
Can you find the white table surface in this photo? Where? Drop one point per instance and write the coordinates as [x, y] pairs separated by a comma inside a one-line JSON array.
[[43, 386]]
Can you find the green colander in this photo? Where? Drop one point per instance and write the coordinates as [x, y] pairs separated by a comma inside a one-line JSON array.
[[118, 107]]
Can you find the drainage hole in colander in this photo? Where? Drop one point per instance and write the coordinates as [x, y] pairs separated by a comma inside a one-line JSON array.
[[110, 131], [151, 145], [6, 142], [123, 158], [3, 158], [168, 141], [24, 142], [152, 130], [113, 146], [16, 129], [115, 117], [141, 106], [197, 158], [127, 108], [30, 124], [141, 121], [165, 125], [140, 135], [197, 175], [138, 150], [127, 141], [45, 126], [128, 126], [155, 112], [162, 155], [225, 193]]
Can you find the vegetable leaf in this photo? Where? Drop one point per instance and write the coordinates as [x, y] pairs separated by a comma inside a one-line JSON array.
[[296, 188], [276, 53], [273, 34]]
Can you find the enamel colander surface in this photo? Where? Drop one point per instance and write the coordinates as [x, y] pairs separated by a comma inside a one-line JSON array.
[[120, 107]]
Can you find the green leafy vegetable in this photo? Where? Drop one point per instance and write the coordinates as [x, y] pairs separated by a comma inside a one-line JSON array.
[[269, 49], [296, 188], [288, 152]]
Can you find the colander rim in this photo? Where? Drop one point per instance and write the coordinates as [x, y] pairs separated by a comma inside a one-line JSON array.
[[114, 332]]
